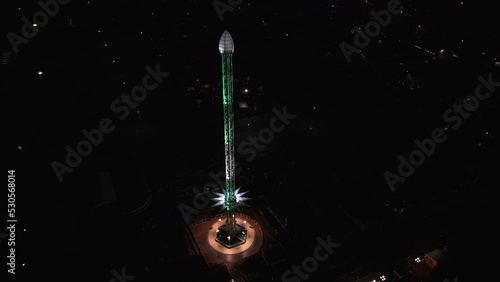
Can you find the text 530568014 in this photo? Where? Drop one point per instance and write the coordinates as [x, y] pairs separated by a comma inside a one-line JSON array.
[[11, 220]]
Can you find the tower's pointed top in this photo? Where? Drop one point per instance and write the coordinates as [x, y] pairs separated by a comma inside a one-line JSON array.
[[226, 44]]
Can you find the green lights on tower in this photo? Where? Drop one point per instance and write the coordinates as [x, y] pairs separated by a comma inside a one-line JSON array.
[[226, 48], [229, 234]]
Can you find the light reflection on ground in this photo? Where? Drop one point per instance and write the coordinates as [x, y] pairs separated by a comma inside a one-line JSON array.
[[215, 253]]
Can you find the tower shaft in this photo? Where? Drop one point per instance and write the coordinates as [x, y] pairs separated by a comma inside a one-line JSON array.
[[229, 234], [227, 94]]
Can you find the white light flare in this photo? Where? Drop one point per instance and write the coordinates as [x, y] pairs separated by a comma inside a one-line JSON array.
[[221, 198]]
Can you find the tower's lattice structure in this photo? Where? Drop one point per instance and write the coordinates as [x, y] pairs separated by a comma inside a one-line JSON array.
[[230, 234]]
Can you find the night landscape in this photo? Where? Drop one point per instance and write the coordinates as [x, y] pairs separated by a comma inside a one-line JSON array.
[[239, 141]]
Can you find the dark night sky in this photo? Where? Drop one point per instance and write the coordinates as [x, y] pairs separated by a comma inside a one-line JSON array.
[[354, 119]]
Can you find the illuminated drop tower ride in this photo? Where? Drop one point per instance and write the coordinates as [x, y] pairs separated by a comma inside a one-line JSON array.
[[229, 234]]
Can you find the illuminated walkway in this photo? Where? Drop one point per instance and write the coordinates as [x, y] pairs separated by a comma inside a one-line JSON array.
[[214, 253]]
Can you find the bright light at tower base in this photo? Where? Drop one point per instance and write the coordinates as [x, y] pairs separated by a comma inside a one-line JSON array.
[[221, 198]]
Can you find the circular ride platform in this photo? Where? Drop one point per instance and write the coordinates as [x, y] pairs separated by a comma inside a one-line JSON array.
[[205, 235]]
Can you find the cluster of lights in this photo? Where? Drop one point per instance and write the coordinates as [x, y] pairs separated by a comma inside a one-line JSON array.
[[105, 45], [382, 278], [426, 50], [221, 199]]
